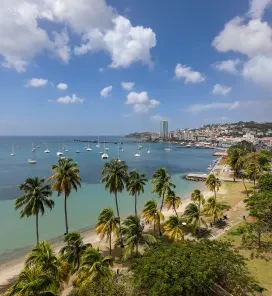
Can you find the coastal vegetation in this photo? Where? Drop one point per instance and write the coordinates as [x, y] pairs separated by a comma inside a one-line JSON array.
[[155, 257]]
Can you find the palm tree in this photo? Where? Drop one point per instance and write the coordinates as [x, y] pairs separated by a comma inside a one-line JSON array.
[[172, 201], [173, 228], [213, 184], [234, 160], [34, 281], [215, 208], [94, 267], [152, 214], [135, 185], [133, 233], [37, 196], [115, 178], [161, 179], [66, 177], [73, 249], [107, 225], [43, 256], [193, 216], [198, 198]]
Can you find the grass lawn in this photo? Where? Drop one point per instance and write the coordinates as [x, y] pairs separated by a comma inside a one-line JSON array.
[[260, 268]]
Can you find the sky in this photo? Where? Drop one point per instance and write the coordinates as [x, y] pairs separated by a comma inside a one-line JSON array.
[[112, 67]]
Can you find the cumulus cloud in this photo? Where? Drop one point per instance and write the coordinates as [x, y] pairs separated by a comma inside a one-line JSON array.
[[97, 25], [217, 105], [190, 76], [221, 90], [62, 86], [70, 100], [128, 85], [141, 102], [257, 8], [156, 118], [106, 91], [36, 82], [229, 66]]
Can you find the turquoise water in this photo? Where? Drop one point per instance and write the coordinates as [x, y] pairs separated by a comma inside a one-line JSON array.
[[84, 205]]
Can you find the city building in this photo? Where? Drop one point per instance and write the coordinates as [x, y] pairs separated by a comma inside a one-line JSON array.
[[164, 129]]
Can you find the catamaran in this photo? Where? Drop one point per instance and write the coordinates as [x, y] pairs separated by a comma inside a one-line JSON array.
[[47, 150], [98, 144], [169, 148], [33, 159], [88, 148], [12, 151], [104, 155]]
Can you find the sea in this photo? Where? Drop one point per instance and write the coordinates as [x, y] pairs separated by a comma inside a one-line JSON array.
[[84, 205]]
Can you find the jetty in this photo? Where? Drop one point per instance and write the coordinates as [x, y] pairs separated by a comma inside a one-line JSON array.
[[196, 177], [220, 153]]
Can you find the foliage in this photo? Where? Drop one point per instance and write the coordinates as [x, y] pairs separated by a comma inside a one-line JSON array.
[[193, 216], [213, 184], [265, 182], [245, 146], [215, 208], [132, 231], [135, 185], [235, 160], [151, 214], [37, 196], [73, 249], [66, 177], [253, 234], [173, 228], [107, 225], [172, 201], [162, 186], [197, 197]]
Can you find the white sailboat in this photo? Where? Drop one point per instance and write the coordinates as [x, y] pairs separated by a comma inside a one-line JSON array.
[[66, 149], [98, 144], [169, 148], [33, 159], [88, 148], [33, 148], [47, 150], [137, 154], [59, 153], [77, 151], [149, 151], [104, 155], [12, 151], [119, 154]]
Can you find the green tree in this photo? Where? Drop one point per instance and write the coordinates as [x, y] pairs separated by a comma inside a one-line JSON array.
[[173, 228], [115, 178], [192, 214], [234, 160], [66, 178], [213, 184], [191, 268], [73, 249], [133, 233], [135, 185], [151, 214], [107, 225], [215, 208], [34, 281], [161, 179], [94, 267], [36, 198], [265, 182], [172, 201]]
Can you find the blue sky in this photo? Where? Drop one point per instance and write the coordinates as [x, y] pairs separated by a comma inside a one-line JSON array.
[[193, 62]]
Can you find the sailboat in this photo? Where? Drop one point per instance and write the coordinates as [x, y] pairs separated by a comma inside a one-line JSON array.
[[104, 155], [77, 151], [66, 149], [119, 154], [12, 151], [169, 148], [88, 148], [33, 159], [33, 148], [149, 151], [98, 145], [137, 154], [46, 150], [59, 153]]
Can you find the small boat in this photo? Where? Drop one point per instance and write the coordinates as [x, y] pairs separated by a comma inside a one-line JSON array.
[[38, 146], [33, 159], [62, 157], [188, 146], [98, 144], [137, 154], [66, 149], [88, 148], [197, 146], [122, 150], [77, 151], [33, 148], [12, 151], [59, 153], [209, 168], [101, 152], [169, 148], [149, 151], [47, 150], [104, 155], [118, 157]]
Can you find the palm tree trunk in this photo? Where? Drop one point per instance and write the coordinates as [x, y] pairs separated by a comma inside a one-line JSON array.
[[154, 226], [65, 212], [135, 204], [162, 202], [199, 215], [245, 185], [175, 210], [159, 226], [254, 181], [37, 227], [215, 193], [110, 238], [118, 215]]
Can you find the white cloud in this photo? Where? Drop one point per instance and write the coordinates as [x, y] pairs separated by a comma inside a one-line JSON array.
[[128, 85], [36, 82], [61, 47], [259, 70], [250, 39], [106, 91], [257, 8], [217, 105], [126, 44], [229, 66], [190, 76], [70, 100], [141, 102], [156, 118], [222, 90], [62, 86]]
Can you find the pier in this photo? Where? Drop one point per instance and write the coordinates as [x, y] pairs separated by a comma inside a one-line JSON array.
[[220, 153], [196, 177]]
